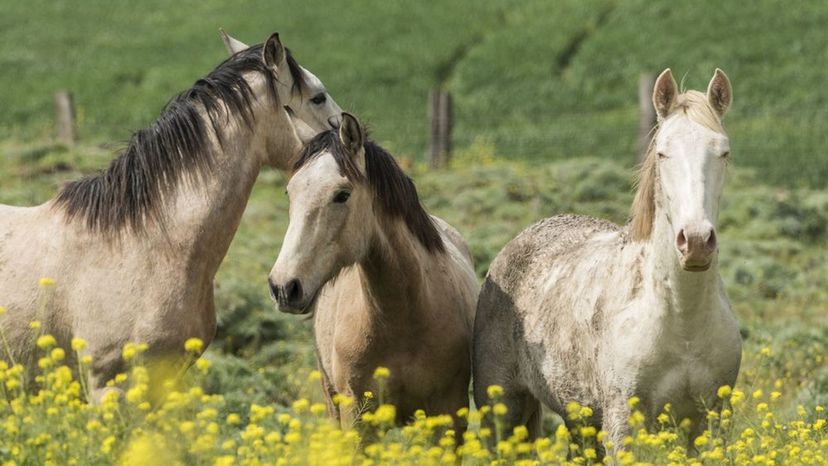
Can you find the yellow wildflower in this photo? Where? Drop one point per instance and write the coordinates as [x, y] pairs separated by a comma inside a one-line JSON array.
[[78, 344], [46, 281], [193, 345], [499, 409], [46, 341], [494, 391]]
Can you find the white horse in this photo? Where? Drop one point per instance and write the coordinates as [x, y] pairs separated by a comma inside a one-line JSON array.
[[390, 285], [579, 309], [133, 250]]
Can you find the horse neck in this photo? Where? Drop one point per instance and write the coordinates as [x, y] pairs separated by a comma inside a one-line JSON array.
[[683, 293], [203, 216], [392, 273]]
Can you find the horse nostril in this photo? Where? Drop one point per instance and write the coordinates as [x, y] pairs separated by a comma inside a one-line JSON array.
[[293, 291], [274, 290], [681, 241], [710, 244]]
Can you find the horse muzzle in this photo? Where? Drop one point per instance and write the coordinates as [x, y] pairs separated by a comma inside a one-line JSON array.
[[290, 297], [697, 247]]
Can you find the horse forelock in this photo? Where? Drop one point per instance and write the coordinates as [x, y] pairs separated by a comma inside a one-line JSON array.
[[131, 190], [393, 191], [694, 105]]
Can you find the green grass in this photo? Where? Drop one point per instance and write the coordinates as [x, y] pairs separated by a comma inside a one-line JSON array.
[[773, 260], [539, 80]]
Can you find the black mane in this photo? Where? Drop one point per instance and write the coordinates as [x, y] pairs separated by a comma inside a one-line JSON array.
[[130, 191], [394, 191]]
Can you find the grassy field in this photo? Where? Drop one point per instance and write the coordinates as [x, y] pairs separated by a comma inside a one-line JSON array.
[[546, 123], [539, 80], [773, 262]]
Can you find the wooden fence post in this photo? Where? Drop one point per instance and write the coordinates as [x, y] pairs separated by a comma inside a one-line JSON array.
[[646, 114], [65, 117], [440, 120]]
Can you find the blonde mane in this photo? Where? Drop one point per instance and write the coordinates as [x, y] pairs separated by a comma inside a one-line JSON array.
[[695, 105]]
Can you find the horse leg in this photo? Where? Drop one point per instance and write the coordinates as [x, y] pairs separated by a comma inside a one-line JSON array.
[[450, 402], [615, 422], [328, 391], [534, 421]]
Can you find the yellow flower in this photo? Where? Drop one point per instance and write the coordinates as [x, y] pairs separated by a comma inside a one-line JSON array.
[[633, 402], [385, 414], [193, 345], [500, 409], [301, 405], [382, 373], [202, 365], [494, 391], [34, 325], [2, 310], [129, 351], [757, 394], [46, 281], [588, 431], [724, 391], [46, 341], [765, 351], [78, 344], [342, 400], [58, 354], [314, 376], [233, 419], [106, 445]]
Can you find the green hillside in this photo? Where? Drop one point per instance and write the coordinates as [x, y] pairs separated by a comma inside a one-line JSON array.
[[539, 80]]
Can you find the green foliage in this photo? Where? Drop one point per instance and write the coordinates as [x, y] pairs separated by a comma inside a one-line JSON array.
[[540, 80]]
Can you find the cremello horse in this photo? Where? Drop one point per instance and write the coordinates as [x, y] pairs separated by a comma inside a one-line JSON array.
[[390, 285], [579, 309], [134, 249]]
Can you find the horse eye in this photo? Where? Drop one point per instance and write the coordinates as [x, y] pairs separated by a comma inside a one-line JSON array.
[[319, 99], [726, 155], [661, 155], [341, 197]]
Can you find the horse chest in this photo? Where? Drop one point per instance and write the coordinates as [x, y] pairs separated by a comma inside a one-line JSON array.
[[685, 373]]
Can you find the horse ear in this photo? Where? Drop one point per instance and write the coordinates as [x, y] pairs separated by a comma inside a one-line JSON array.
[[232, 44], [665, 92], [273, 52], [351, 133], [719, 93]]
